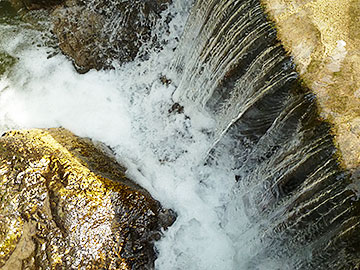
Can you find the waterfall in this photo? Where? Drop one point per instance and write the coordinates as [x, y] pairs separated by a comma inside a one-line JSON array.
[[232, 46], [233, 68], [271, 194]]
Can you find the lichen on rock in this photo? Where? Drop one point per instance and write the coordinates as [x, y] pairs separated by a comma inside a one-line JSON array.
[[66, 204]]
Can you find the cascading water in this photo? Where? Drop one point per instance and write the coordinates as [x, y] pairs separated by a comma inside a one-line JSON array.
[[289, 181], [128, 109], [235, 60], [270, 196]]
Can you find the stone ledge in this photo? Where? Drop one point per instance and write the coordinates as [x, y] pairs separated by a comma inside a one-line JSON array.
[[323, 36]]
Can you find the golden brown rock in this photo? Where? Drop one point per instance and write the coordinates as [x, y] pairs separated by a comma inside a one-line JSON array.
[[66, 204], [324, 38]]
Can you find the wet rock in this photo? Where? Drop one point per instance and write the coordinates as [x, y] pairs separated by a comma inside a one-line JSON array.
[[35, 4], [6, 62], [94, 34], [67, 204], [176, 108], [165, 81]]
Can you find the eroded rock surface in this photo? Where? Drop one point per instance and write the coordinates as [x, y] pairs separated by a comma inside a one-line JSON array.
[[95, 33], [324, 37], [66, 204]]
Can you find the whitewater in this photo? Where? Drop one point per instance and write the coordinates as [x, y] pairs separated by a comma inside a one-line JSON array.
[[129, 109]]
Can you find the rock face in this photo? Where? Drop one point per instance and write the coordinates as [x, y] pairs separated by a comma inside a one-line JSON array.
[[323, 36], [66, 204], [96, 33]]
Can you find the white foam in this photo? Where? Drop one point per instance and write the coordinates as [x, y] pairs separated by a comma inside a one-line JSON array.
[[127, 108]]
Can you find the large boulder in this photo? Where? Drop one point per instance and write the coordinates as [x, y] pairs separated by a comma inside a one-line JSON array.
[[65, 203], [95, 34], [323, 37]]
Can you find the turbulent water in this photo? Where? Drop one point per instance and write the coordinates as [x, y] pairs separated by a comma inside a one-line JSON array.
[[247, 165], [128, 109]]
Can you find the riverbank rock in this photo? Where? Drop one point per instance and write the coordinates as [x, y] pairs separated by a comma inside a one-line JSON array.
[[67, 204], [323, 37], [94, 34]]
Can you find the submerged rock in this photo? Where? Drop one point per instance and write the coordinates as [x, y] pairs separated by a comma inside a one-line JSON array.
[[67, 204], [94, 34]]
